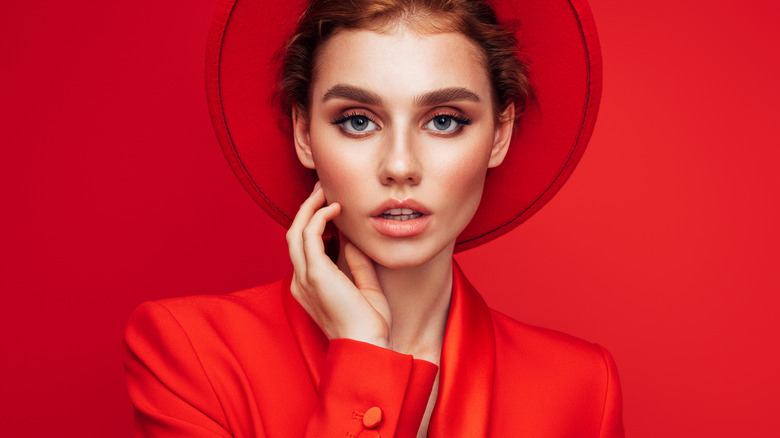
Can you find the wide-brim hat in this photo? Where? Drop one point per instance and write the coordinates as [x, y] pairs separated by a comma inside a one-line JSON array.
[[557, 38]]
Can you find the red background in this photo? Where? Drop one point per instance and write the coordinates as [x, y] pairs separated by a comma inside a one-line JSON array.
[[663, 246]]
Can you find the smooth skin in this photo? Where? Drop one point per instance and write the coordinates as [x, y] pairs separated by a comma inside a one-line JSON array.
[[393, 115]]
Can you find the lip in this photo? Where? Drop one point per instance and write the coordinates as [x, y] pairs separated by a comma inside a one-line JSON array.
[[400, 203], [398, 228]]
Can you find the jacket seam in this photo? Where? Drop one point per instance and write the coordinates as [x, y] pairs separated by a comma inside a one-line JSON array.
[[606, 390], [200, 362]]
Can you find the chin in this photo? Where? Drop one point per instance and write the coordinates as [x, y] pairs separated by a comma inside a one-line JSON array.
[[405, 255], [399, 263]]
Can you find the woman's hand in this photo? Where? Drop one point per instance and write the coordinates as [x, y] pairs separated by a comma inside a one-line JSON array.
[[342, 309]]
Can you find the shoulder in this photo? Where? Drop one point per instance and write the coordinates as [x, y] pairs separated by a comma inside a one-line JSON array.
[[542, 344], [200, 322], [519, 344], [211, 362], [546, 371], [260, 301], [220, 341]]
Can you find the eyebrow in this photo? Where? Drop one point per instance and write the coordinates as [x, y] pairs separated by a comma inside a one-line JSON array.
[[431, 98], [444, 95], [353, 93]]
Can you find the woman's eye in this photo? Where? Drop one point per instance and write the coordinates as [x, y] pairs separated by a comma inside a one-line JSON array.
[[357, 124], [445, 124]]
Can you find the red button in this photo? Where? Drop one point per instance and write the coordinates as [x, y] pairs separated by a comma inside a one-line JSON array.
[[372, 418], [369, 433]]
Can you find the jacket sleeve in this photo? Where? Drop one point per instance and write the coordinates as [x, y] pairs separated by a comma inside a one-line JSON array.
[[612, 417], [167, 385], [364, 390], [370, 391]]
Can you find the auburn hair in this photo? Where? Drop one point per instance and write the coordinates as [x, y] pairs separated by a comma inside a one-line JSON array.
[[473, 18]]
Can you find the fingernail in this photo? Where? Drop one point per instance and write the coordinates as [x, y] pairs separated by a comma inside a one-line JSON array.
[[316, 186]]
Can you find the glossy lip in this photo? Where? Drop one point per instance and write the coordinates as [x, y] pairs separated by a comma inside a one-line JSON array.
[[394, 228], [400, 203]]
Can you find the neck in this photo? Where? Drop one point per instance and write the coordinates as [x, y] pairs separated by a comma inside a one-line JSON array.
[[419, 299]]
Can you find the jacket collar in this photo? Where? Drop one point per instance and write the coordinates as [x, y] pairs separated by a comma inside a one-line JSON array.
[[467, 359]]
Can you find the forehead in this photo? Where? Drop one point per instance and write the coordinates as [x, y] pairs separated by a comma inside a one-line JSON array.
[[400, 62]]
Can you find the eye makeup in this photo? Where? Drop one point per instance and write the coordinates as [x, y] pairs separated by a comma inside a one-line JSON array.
[[446, 118], [357, 123], [343, 117]]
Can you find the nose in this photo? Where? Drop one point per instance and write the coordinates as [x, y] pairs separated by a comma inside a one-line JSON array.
[[400, 161]]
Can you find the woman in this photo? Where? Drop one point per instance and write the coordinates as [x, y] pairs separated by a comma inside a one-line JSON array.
[[399, 109]]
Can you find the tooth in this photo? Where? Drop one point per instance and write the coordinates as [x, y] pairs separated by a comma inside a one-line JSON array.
[[395, 211], [404, 217], [407, 211]]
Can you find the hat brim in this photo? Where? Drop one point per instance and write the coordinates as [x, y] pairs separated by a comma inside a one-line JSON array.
[[558, 40]]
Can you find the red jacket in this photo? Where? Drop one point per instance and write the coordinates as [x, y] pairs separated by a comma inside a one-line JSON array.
[[253, 364]]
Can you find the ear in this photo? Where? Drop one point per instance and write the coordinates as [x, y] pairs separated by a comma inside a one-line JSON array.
[[503, 136], [302, 138]]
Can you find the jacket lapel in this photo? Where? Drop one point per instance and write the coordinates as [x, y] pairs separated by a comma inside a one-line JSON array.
[[467, 364]]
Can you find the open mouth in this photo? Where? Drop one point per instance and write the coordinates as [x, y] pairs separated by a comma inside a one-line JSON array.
[[400, 214], [401, 218]]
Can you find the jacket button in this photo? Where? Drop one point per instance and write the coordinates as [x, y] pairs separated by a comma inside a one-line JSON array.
[[369, 433], [372, 418]]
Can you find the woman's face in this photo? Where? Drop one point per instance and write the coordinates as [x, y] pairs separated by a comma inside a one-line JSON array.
[[401, 132]]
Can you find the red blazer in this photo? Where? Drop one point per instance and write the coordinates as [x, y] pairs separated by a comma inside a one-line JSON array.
[[253, 364]]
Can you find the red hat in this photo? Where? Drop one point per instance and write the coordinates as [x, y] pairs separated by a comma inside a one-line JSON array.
[[559, 42]]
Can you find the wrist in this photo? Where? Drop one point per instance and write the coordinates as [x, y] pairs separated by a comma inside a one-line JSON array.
[[379, 341]]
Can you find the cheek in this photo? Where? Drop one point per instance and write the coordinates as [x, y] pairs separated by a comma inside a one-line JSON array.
[[341, 174], [463, 182], [472, 182], [328, 165], [466, 170]]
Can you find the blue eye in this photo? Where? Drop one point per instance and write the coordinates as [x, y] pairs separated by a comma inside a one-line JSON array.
[[446, 123], [356, 123], [359, 123]]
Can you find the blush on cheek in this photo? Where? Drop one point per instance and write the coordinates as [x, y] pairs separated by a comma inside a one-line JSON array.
[[471, 172]]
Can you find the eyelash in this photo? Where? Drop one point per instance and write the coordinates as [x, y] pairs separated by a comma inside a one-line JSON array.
[[461, 120], [346, 116], [458, 118]]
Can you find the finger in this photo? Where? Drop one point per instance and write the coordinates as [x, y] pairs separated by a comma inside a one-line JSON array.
[[313, 246], [305, 212], [294, 234]]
